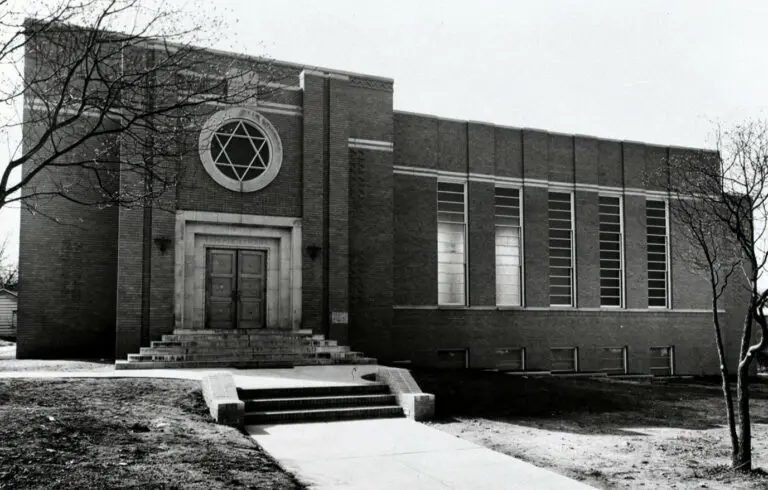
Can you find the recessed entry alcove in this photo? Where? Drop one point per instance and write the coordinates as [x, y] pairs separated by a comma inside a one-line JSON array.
[[237, 271]]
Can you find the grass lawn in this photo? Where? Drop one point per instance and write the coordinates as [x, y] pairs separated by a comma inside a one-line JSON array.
[[607, 433], [123, 433]]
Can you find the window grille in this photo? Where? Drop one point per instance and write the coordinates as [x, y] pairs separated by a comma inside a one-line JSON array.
[[561, 269], [658, 253], [611, 251]]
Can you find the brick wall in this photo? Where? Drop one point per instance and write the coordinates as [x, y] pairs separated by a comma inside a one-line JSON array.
[[67, 265], [471, 148], [371, 222], [415, 238], [338, 208], [419, 334], [313, 198]]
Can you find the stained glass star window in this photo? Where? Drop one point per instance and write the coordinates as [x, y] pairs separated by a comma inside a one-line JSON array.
[[240, 150]]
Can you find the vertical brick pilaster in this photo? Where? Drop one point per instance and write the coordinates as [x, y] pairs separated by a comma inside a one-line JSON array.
[[162, 284], [482, 244], [338, 207], [587, 249], [129, 275], [313, 199], [536, 234], [635, 252]]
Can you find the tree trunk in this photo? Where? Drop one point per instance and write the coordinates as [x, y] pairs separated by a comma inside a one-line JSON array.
[[744, 459], [726, 383]]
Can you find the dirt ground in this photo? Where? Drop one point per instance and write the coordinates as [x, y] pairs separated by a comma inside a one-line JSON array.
[[123, 433], [8, 362], [608, 433]]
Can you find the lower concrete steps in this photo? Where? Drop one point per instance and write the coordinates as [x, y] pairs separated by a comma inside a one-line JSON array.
[[241, 348], [319, 404]]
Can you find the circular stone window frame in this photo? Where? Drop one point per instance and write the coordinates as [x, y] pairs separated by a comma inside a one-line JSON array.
[[254, 118]]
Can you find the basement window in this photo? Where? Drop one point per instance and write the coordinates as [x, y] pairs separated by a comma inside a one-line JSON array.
[[565, 359], [662, 360], [453, 358], [613, 360], [510, 358]]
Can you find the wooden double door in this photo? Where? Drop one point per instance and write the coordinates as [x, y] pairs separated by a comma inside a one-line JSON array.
[[235, 288]]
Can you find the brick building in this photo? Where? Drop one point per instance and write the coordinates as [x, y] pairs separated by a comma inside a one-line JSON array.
[[408, 237]]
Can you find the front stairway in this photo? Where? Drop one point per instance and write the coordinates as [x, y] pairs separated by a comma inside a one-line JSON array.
[[241, 349], [318, 404]]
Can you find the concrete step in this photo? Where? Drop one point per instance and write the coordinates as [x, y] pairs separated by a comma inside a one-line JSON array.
[[317, 402], [243, 350], [324, 414], [287, 356], [231, 339], [121, 364], [312, 391], [314, 361], [255, 332]]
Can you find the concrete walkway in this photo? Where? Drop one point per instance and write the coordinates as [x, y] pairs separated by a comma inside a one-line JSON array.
[[300, 376], [396, 454]]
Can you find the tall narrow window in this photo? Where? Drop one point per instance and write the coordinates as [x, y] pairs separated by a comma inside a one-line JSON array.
[[560, 249], [611, 246], [658, 253], [451, 226], [508, 247]]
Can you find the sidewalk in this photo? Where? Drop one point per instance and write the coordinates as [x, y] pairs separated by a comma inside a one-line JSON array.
[[396, 454]]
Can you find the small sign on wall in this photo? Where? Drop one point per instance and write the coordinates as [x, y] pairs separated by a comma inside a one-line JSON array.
[[340, 317]]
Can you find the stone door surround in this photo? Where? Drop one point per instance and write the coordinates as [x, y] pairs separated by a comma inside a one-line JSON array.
[[280, 237]]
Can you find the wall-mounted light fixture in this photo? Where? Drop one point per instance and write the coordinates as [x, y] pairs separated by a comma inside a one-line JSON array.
[[313, 251], [163, 243]]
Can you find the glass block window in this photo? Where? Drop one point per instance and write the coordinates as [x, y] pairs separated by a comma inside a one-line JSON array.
[[510, 358], [508, 247], [662, 361], [658, 253], [565, 359], [451, 240], [561, 269], [611, 247], [613, 360]]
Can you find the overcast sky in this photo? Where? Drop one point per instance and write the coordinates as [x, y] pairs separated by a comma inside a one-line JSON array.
[[657, 71]]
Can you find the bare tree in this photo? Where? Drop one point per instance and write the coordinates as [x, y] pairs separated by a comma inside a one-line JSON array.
[[109, 88], [721, 201], [9, 268]]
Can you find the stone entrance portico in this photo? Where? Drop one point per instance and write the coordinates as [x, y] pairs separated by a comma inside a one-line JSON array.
[[279, 237]]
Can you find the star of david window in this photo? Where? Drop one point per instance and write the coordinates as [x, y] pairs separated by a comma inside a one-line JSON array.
[[240, 149]]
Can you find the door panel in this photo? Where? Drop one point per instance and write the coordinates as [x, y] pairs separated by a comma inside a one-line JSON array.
[[220, 289], [251, 288], [235, 289]]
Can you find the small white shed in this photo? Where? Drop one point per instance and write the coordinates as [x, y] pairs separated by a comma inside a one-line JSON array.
[[8, 302]]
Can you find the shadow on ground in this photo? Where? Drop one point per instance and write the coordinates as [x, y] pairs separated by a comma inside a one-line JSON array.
[[583, 406]]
